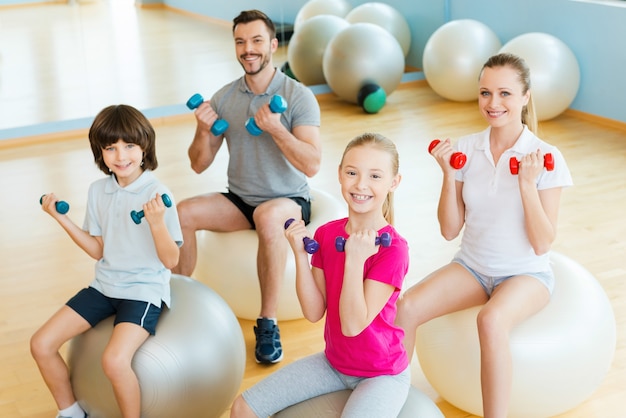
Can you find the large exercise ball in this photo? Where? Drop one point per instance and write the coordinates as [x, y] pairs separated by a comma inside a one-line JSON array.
[[312, 8], [386, 17], [331, 405], [192, 367], [554, 71], [360, 54], [306, 47], [227, 263], [454, 55], [560, 355]]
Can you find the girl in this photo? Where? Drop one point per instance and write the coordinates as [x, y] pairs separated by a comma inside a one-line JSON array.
[[357, 290], [133, 261], [509, 225]]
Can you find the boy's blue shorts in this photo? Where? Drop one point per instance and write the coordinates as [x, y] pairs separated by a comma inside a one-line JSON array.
[[94, 307]]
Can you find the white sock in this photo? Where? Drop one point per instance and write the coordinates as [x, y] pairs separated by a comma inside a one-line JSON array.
[[73, 411]]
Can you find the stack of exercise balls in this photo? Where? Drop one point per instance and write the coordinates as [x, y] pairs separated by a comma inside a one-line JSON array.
[[385, 16], [455, 52], [308, 44], [360, 53]]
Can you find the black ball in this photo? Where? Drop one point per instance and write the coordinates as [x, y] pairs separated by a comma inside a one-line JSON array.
[[285, 68], [371, 97]]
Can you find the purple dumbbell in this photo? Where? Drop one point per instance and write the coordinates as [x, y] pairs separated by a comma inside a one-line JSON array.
[[310, 245], [384, 240]]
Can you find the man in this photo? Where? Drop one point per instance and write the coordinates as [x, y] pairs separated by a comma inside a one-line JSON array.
[[267, 174]]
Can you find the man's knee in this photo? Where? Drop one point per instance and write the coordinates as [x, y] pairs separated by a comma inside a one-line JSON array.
[[184, 213], [275, 212], [191, 212]]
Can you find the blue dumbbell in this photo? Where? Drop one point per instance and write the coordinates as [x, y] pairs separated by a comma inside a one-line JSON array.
[[61, 206], [310, 245], [384, 240], [138, 216], [219, 126], [277, 105]]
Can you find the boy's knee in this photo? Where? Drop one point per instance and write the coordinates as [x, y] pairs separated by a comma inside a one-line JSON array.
[[114, 365], [36, 348], [39, 349]]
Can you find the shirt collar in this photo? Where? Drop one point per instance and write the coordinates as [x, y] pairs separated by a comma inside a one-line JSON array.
[[522, 143], [112, 186], [274, 86]]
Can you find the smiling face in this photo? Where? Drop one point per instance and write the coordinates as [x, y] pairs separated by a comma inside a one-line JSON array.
[[366, 176], [124, 160], [501, 97], [254, 46]]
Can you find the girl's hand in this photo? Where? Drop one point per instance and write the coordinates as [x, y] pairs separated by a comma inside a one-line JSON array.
[[295, 234], [154, 210], [361, 245], [530, 166]]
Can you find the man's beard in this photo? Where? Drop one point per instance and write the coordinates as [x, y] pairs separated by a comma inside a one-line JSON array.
[[264, 64]]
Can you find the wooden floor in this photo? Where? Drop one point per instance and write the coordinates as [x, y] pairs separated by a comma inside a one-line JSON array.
[[40, 267]]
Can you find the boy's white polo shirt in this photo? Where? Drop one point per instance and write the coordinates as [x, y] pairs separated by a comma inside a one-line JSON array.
[[130, 267]]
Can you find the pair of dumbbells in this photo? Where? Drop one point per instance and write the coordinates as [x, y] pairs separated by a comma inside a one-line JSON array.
[[458, 159], [63, 207], [277, 105]]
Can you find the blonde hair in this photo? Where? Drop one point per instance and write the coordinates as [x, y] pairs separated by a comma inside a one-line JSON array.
[[384, 144], [529, 116]]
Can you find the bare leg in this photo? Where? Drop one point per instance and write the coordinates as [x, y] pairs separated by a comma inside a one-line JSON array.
[[116, 362], [240, 409], [449, 289], [511, 303], [44, 347], [270, 219], [211, 212]]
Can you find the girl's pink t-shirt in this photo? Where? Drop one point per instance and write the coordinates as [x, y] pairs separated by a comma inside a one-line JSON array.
[[378, 349]]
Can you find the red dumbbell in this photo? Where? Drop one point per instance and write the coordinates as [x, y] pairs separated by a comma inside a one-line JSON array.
[[548, 163], [457, 159]]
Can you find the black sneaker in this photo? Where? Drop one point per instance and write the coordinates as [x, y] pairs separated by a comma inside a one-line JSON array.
[[268, 349]]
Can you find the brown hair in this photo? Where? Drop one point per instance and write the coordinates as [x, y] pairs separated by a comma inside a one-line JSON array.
[[385, 144], [128, 124], [529, 116], [248, 16]]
